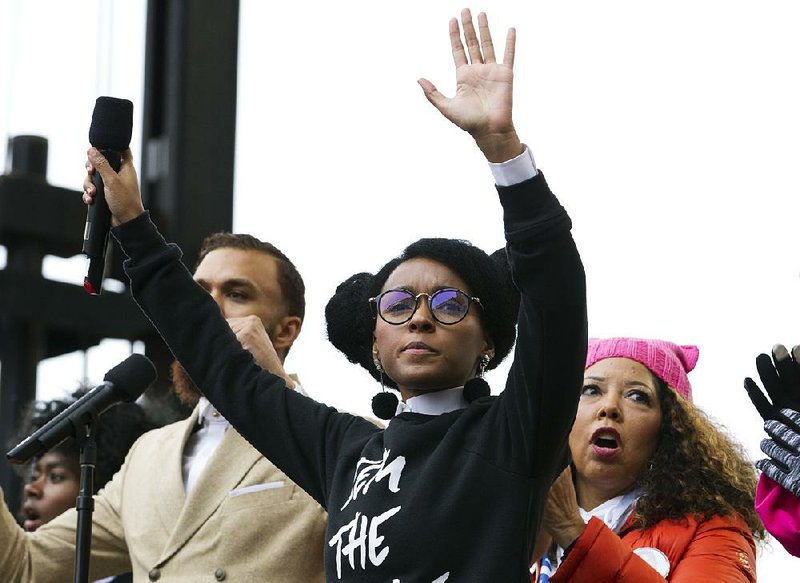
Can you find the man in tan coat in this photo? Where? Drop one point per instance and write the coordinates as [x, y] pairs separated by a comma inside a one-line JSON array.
[[194, 501]]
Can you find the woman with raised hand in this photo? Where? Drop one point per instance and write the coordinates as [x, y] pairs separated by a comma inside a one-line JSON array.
[[453, 488], [656, 491]]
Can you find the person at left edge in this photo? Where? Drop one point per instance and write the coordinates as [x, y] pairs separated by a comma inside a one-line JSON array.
[[194, 501], [53, 477], [53, 482]]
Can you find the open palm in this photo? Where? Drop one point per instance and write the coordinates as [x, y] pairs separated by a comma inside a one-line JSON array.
[[483, 101]]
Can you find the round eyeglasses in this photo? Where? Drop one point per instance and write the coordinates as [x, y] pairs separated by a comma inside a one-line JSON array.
[[447, 306]]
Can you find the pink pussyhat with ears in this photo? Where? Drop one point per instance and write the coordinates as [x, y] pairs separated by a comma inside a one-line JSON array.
[[666, 360]]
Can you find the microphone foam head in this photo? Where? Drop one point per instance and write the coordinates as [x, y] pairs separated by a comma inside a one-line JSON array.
[[112, 124], [132, 376]]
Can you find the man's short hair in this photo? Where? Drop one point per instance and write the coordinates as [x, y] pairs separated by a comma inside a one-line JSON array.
[[291, 283]]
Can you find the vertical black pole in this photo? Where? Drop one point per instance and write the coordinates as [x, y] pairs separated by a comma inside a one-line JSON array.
[[189, 127], [22, 343], [85, 504]]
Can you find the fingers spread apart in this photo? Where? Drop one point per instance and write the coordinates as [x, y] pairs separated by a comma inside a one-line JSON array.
[[480, 52]]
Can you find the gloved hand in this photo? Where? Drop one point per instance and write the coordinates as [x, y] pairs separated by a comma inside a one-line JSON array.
[[783, 465], [781, 381]]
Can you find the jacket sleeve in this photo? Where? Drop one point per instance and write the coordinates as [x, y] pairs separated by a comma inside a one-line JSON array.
[[779, 510], [600, 556], [544, 382], [299, 435], [720, 552], [48, 555]]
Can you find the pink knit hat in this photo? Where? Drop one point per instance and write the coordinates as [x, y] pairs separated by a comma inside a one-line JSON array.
[[666, 360]]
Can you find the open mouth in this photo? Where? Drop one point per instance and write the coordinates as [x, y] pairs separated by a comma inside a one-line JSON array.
[[606, 442], [32, 519]]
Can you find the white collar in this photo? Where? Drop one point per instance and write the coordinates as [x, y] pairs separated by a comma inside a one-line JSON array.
[[208, 413], [613, 512], [435, 403]]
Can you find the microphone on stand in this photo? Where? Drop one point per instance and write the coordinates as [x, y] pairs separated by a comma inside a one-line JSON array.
[[123, 383]]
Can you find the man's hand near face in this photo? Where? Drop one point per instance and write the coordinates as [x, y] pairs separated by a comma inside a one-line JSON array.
[[253, 337]]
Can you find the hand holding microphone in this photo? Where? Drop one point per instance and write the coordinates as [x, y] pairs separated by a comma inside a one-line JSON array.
[[121, 189], [111, 186]]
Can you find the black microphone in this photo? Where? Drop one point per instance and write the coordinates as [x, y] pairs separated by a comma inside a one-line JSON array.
[[123, 383], [110, 132]]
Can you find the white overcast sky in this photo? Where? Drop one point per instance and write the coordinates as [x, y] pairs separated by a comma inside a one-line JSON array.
[[668, 130]]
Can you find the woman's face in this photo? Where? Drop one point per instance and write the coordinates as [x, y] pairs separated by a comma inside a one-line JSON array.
[[616, 429], [423, 355], [52, 489]]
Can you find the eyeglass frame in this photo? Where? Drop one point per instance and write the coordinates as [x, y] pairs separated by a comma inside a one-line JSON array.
[[375, 303]]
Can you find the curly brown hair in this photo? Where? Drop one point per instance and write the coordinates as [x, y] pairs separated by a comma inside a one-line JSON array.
[[696, 469]]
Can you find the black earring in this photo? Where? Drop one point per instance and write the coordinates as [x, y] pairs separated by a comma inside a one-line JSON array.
[[384, 404], [478, 387]]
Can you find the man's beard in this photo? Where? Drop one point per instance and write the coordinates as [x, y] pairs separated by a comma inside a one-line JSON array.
[[183, 386]]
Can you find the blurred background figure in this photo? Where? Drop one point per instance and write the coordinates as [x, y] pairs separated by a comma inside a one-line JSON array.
[[656, 490], [53, 479], [778, 494]]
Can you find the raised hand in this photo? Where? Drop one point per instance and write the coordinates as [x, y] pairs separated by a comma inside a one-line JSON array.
[[781, 378], [253, 337], [783, 465], [562, 517], [121, 189], [482, 104]]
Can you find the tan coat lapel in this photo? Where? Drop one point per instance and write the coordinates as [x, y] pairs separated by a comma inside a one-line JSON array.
[[171, 494], [225, 470]]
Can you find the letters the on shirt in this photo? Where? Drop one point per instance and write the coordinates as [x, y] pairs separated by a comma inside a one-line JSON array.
[[360, 541]]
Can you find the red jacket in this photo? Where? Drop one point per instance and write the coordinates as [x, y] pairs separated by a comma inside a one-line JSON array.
[[717, 550]]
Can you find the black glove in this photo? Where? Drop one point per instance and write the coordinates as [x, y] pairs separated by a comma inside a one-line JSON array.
[[781, 380], [783, 465]]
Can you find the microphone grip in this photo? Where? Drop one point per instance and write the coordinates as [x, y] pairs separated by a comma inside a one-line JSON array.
[[98, 227]]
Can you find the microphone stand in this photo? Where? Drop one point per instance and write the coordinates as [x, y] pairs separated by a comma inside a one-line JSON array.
[[85, 502]]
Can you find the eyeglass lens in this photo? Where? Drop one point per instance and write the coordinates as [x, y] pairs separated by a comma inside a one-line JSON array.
[[448, 306]]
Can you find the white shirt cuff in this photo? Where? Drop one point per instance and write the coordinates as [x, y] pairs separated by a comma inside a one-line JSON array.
[[516, 170]]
